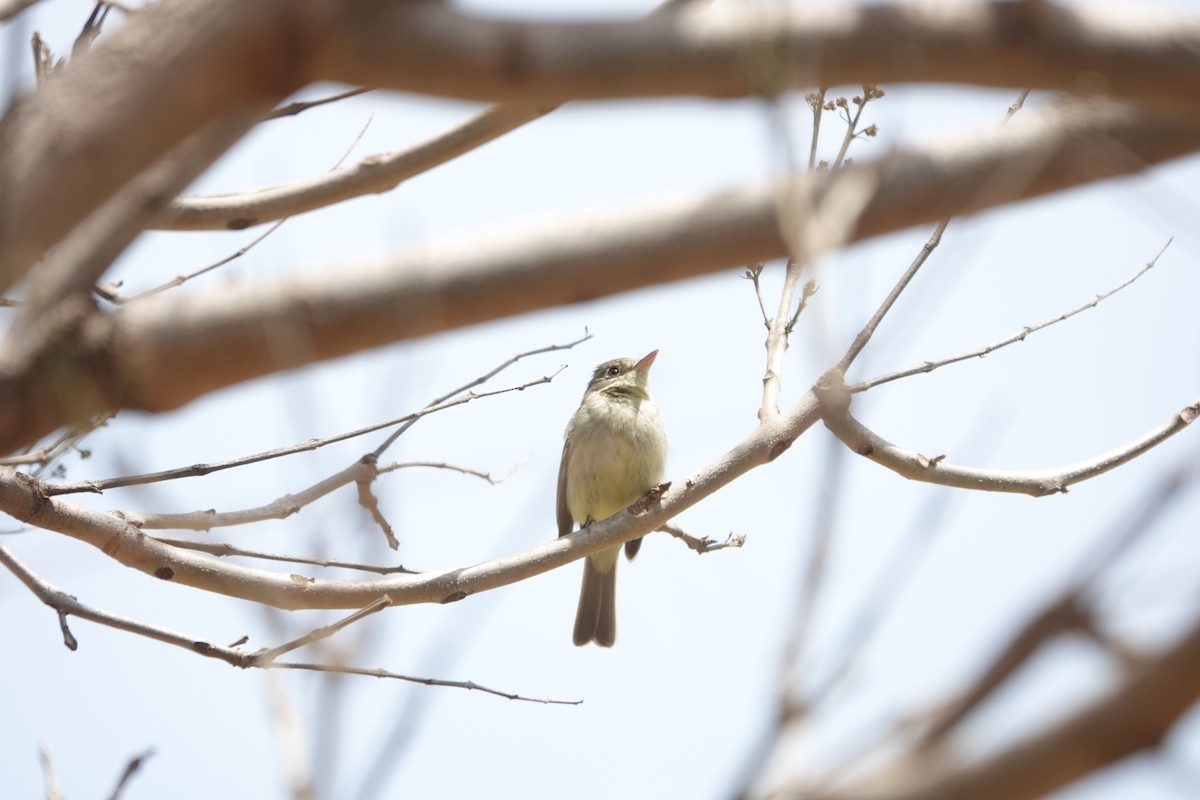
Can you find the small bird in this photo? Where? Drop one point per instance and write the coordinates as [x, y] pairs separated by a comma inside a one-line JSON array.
[[614, 452]]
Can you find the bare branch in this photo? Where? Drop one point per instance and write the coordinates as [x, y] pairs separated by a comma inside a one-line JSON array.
[[268, 655], [300, 106], [470, 385], [53, 792], [864, 336], [65, 605], [1019, 336], [383, 673], [704, 544], [210, 61], [375, 174], [179, 280], [74, 266], [997, 44], [130, 770], [225, 55], [1037, 483], [224, 549], [10, 8], [1068, 611], [777, 340], [196, 470], [1137, 715], [160, 354], [25, 499], [368, 500]]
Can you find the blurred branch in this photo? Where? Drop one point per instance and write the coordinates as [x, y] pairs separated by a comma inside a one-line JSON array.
[[163, 352], [373, 175], [212, 58], [704, 544], [1068, 612], [110, 294], [53, 791], [131, 768], [997, 44], [835, 405], [10, 8], [1135, 716]]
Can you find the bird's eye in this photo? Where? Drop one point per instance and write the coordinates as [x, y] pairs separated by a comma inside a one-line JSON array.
[[612, 372]]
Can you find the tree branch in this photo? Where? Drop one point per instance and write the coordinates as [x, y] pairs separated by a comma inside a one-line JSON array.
[[736, 51], [161, 353], [25, 499], [834, 400], [373, 175], [66, 605], [1135, 716]]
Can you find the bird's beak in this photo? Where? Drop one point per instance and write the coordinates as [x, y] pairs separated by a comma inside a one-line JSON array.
[[644, 364]]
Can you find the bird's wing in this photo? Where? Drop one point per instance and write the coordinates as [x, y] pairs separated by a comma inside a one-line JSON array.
[[565, 522]]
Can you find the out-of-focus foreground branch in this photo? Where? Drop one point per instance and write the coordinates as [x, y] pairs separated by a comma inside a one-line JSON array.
[[167, 350]]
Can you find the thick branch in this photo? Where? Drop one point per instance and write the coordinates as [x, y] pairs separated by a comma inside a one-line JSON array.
[[22, 497], [1134, 717], [120, 107], [733, 51], [180, 65], [165, 351]]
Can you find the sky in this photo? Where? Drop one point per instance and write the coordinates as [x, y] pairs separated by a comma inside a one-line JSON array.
[[688, 692]]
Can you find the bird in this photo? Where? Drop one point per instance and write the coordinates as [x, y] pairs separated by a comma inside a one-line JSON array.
[[614, 451]]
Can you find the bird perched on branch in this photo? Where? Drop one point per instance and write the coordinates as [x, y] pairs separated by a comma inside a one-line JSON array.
[[615, 451]]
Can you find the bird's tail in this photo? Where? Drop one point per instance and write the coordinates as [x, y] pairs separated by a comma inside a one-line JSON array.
[[596, 618]]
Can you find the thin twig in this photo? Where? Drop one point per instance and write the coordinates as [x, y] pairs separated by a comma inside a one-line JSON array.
[[300, 106], [487, 476], [65, 604], [777, 341], [300, 447], [66, 441], [109, 293], [864, 336], [1019, 336], [703, 544], [223, 549], [91, 29], [268, 655], [53, 792], [869, 93], [753, 274], [484, 378], [816, 101], [383, 673], [368, 500], [10, 8], [130, 770]]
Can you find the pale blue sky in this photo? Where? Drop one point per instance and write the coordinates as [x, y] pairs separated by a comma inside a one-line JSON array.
[[682, 698]]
